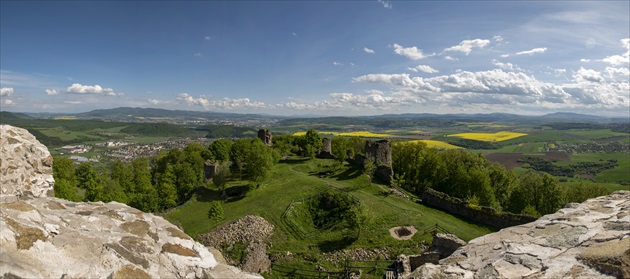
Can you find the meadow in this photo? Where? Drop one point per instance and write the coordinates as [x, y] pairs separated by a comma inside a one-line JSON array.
[[296, 179]]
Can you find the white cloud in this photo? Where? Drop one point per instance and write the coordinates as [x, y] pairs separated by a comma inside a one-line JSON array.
[[8, 102], [588, 75], [223, 104], [157, 102], [197, 54], [533, 51], [92, 89], [497, 38], [337, 63], [424, 68], [6, 91], [450, 58], [618, 60], [386, 4], [466, 46], [506, 66], [585, 60], [412, 53], [52, 91], [367, 50], [505, 55]]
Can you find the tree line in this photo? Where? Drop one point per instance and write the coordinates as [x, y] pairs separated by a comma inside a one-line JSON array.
[[471, 176], [165, 181]]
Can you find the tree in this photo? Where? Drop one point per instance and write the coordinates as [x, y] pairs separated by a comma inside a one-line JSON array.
[[65, 179], [259, 161], [88, 179], [216, 211], [311, 143], [369, 168], [123, 176], [238, 153], [145, 198], [166, 190], [220, 149], [339, 147], [222, 174]]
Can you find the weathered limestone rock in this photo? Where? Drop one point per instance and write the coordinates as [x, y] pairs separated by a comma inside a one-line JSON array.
[[25, 165], [47, 237], [587, 240]]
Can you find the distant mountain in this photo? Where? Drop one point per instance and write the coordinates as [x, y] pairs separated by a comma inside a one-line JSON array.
[[135, 114]]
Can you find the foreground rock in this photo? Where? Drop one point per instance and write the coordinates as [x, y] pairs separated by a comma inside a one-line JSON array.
[[588, 240], [25, 165], [47, 237]]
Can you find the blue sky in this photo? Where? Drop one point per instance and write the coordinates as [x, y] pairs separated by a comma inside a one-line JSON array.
[[317, 57]]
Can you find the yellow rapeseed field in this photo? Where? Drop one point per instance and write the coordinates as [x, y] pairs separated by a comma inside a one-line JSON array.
[[364, 134], [65, 118], [498, 136], [435, 144]]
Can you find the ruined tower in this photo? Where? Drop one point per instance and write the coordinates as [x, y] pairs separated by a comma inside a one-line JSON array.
[[265, 136], [380, 152]]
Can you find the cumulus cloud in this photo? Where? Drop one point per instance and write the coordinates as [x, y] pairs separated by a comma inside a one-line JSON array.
[[618, 60], [450, 58], [52, 91], [588, 75], [337, 63], [532, 51], [92, 89], [367, 50], [8, 102], [506, 66], [424, 68], [412, 53], [466, 46], [223, 104], [6, 91], [386, 4]]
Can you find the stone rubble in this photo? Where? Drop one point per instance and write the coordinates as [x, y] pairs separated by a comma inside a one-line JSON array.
[[251, 230], [47, 237]]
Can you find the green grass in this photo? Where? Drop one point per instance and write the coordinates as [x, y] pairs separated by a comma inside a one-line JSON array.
[[295, 180]]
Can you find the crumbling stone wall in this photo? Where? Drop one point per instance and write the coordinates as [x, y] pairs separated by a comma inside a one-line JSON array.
[[326, 152], [380, 152], [210, 168], [484, 215], [265, 136]]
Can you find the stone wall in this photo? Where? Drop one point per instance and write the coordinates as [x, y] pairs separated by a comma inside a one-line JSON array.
[[484, 215], [25, 165]]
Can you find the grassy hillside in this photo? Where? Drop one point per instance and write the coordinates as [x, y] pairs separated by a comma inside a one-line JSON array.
[[296, 179]]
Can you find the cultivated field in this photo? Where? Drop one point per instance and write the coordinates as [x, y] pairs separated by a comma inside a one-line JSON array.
[[490, 137]]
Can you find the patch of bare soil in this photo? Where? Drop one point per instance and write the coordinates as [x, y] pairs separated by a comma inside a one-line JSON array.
[[508, 160], [403, 233]]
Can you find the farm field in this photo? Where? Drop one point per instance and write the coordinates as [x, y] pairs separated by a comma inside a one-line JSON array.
[[435, 144], [491, 137], [364, 134]]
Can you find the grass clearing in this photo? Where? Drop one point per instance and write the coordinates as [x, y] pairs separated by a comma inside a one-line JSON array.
[[296, 179]]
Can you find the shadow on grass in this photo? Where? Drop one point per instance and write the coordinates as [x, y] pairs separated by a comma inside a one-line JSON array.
[[350, 173], [234, 193], [336, 245], [293, 161]]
